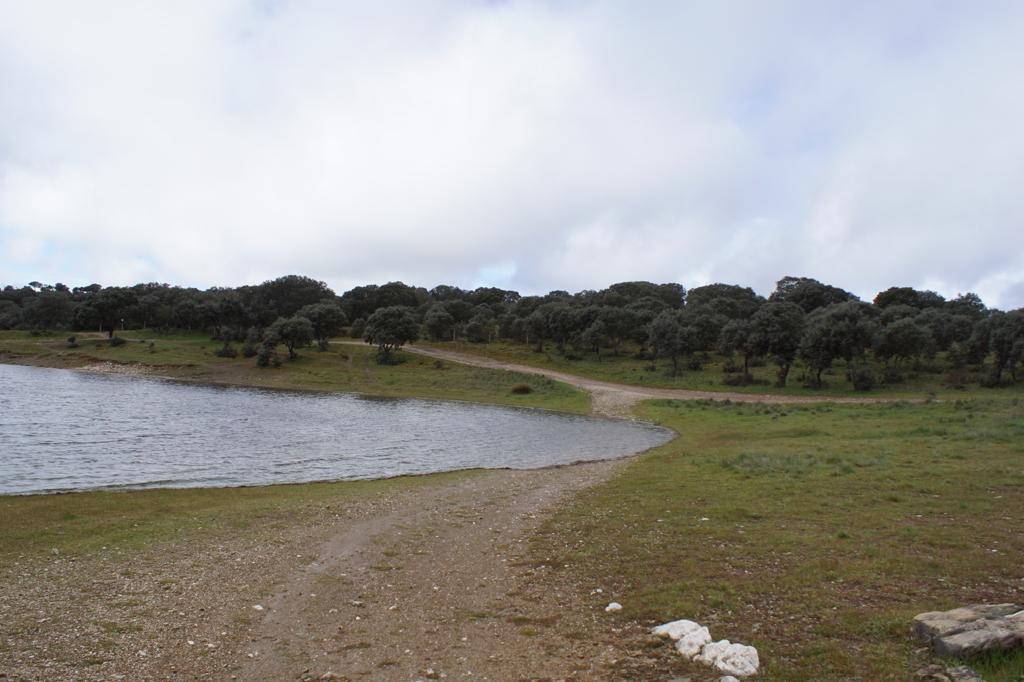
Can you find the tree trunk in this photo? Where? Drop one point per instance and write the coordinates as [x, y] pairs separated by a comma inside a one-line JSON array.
[[783, 375]]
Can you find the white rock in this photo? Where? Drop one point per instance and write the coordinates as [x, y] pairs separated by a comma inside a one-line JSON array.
[[258, 607], [732, 659], [691, 644], [676, 629], [614, 606], [728, 678]]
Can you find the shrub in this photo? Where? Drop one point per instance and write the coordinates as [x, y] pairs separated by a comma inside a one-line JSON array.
[[358, 327], [226, 351], [989, 380], [731, 367], [744, 380], [249, 350], [117, 341], [862, 378], [438, 364], [957, 379], [267, 356], [72, 342], [891, 375], [521, 389]]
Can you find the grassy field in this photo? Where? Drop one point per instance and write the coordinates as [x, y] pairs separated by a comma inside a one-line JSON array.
[[342, 368], [928, 379], [81, 523], [815, 533]]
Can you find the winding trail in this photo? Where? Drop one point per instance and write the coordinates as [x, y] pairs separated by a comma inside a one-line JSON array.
[[614, 399]]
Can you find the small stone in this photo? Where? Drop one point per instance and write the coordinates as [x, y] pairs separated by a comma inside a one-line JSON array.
[[433, 674], [962, 673], [728, 678], [329, 676], [258, 607], [614, 606], [55, 552]]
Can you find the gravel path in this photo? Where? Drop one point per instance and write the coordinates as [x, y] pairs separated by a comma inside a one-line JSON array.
[[616, 399], [431, 583]]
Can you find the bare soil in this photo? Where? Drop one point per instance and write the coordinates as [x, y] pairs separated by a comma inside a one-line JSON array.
[[432, 584]]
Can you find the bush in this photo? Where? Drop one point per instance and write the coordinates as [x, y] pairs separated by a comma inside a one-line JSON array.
[[988, 380], [891, 375], [730, 366], [957, 380], [249, 350], [267, 356], [862, 378], [521, 389], [744, 380], [226, 351], [696, 363], [439, 364], [72, 342], [358, 327], [117, 341]]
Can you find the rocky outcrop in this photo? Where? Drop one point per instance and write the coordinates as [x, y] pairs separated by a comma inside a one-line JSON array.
[[972, 630], [693, 641]]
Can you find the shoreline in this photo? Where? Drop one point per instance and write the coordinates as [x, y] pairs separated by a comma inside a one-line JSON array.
[[133, 370]]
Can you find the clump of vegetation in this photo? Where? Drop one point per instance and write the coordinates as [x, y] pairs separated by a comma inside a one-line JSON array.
[[117, 341], [226, 351], [862, 378], [72, 342], [522, 389], [389, 329]]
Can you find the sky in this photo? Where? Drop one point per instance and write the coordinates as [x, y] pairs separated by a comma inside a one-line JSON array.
[[530, 145]]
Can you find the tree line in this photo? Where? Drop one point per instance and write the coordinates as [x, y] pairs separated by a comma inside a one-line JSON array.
[[802, 320]]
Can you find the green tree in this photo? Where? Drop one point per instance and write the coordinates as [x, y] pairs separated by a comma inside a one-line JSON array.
[[902, 340], [593, 337], [737, 337], [293, 332], [1006, 342], [439, 323], [666, 337], [808, 293], [389, 329], [817, 348], [777, 329], [327, 319]]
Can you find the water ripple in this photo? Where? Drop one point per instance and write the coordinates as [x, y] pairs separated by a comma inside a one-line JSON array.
[[62, 430]]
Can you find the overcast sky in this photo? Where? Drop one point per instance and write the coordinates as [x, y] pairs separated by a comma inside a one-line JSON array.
[[527, 145]]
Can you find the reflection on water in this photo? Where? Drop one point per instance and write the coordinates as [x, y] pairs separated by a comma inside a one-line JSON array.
[[64, 430]]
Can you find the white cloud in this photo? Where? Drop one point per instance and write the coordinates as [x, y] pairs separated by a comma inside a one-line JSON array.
[[541, 144]]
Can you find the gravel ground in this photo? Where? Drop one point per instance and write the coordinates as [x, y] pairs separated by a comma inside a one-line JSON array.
[[431, 584]]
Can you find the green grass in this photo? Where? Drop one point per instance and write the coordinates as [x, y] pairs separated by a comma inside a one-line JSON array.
[[82, 523], [625, 368], [341, 368], [812, 532]]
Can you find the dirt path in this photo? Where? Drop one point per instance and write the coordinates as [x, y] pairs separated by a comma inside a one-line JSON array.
[[432, 583], [616, 399]]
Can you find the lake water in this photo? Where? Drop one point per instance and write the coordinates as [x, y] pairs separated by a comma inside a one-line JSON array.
[[62, 430]]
